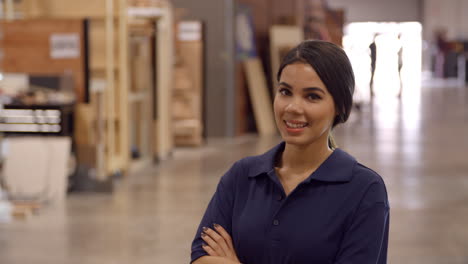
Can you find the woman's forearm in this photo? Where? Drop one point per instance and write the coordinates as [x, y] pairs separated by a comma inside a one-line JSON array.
[[214, 260]]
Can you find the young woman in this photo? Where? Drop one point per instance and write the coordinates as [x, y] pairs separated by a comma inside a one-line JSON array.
[[304, 201]]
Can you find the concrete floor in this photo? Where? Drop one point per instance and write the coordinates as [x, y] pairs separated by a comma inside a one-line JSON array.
[[419, 146]]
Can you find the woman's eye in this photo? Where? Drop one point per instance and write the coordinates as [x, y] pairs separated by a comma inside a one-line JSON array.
[[313, 97], [284, 91]]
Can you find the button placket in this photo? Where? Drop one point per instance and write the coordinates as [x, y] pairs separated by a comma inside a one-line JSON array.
[[280, 197]]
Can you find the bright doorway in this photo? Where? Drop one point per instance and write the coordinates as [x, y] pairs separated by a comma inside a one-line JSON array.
[[391, 38]]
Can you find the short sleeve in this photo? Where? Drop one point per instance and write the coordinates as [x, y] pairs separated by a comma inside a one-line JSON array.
[[219, 210], [366, 239]]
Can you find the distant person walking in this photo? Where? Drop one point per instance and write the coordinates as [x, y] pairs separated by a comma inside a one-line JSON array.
[[400, 64], [373, 56]]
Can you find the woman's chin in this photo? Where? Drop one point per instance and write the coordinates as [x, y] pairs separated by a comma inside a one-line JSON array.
[[294, 140]]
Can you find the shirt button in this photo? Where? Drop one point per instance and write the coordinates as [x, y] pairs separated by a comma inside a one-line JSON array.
[[275, 222], [280, 197]]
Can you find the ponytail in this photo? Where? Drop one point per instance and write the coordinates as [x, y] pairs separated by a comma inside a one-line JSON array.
[[331, 142]]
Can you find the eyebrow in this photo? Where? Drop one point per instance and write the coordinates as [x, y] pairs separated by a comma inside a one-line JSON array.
[[307, 89]]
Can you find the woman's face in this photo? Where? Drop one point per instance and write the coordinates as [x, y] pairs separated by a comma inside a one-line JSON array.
[[304, 109]]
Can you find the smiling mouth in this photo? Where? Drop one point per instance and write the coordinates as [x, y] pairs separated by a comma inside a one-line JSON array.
[[295, 124]]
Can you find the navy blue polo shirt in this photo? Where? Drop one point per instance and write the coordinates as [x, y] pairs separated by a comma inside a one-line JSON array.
[[339, 214]]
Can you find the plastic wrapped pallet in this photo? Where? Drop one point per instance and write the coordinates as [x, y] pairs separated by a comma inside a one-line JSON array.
[[45, 175]]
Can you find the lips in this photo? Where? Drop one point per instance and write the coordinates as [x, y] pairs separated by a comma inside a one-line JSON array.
[[293, 124]]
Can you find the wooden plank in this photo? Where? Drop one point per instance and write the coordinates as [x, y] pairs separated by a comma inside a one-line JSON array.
[[98, 100], [261, 102], [147, 128], [156, 131], [110, 90], [85, 129], [9, 10], [84, 119], [141, 64], [77, 9], [282, 37], [97, 45], [124, 85], [164, 80], [26, 49], [32, 8]]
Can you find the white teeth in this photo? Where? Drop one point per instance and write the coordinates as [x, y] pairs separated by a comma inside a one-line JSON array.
[[296, 125]]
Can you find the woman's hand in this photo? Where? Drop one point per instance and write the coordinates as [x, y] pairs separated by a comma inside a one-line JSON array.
[[218, 243]]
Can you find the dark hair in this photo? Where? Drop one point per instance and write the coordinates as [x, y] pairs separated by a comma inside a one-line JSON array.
[[332, 66]]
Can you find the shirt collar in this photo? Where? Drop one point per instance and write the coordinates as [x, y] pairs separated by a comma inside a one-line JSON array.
[[338, 167], [266, 162]]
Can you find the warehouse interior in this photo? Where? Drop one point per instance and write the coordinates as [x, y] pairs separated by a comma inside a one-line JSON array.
[[119, 117]]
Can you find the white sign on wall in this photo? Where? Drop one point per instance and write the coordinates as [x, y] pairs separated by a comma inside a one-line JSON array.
[[145, 11], [65, 46], [190, 31]]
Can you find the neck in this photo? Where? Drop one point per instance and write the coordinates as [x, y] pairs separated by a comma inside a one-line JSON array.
[[300, 159]]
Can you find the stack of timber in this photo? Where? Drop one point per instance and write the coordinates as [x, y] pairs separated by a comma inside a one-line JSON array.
[[188, 85]]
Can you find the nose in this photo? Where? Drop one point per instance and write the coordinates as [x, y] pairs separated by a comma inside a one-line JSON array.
[[294, 107]]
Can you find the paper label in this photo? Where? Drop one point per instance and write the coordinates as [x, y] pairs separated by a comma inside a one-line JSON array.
[[65, 46], [190, 31]]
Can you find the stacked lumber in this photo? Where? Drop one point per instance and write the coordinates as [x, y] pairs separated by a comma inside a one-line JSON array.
[[186, 105], [188, 85]]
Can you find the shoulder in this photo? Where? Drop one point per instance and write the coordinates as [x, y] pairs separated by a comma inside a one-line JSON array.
[[366, 183], [360, 174], [371, 184], [365, 175]]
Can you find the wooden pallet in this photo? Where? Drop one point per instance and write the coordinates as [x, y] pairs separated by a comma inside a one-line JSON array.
[[25, 209]]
